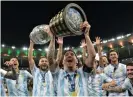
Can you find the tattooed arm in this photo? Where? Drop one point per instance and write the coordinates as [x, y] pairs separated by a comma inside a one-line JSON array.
[[90, 48], [51, 54], [59, 53], [115, 89], [83, 44], [30, 55]]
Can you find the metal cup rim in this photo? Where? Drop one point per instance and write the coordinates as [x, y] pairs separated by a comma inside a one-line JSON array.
[[81, 12]]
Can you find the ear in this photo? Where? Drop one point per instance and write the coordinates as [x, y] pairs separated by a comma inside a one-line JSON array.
[[77, 61], [118, 55]]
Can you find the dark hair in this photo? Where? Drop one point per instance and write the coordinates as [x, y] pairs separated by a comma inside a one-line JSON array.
[[71, 51], [129, 64], [43, 57], [111, 50]]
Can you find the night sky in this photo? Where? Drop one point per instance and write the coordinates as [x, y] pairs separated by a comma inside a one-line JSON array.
[[107, 19]]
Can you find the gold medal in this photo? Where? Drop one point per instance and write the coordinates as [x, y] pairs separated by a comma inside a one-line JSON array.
[[16, 85], [74, 93], [44, 84]]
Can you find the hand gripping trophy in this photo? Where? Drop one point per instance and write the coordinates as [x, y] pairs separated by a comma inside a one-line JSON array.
[[65, 23]]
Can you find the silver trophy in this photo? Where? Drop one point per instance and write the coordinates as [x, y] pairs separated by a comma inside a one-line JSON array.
[[65, 23], [39, 34]]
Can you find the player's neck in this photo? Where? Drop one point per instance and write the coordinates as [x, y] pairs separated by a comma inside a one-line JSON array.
[[114, 62]]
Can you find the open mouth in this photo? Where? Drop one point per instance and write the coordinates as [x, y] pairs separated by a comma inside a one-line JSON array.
[[69, 61], [130, 74]]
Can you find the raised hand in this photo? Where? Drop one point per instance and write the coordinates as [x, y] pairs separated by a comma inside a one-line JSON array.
[[83, 43], [98, 41], [47, 29], [31, 42], [60, 40], [87, 27], [9, 63]]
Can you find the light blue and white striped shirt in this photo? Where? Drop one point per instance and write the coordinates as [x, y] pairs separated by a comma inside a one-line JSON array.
[[19, 87], [95, 82], [119, 75], [62, 83], [42, 83], [128, 86], [2, 90]]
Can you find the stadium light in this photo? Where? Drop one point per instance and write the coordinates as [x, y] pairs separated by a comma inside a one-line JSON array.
[[79, 56], [112, 39], [105, 41], [46, 49], [13, 47], [25, 48], [128, 35], [120, 37], [81, 46], [40, 49], [3, 45], [67, 48]]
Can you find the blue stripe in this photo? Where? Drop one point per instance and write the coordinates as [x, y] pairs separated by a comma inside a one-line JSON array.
[[47, 86], [80, 85], [62, 82]]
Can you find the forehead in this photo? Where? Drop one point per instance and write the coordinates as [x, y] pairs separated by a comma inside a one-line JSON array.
[[69, 52], [129, 67], [104, 57], [13, 59], [113, 53], [43, 59]]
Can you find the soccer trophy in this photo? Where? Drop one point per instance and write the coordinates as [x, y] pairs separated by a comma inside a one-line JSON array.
[[65, 23]]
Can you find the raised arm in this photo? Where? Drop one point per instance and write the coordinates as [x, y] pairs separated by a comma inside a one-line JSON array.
[[59, 53], [98, 45], [30, 55], [90, 48], [83, 44], [12, 74], [51, 53]]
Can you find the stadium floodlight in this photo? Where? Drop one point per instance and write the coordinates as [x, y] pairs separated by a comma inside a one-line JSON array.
[[112, 39], [109, 40], [120, 37], [128, 35], [79, 56], [105, 41], [46, 49], [13, 47], [3, 45], [67, 48], [81, 46], [40, 49], [72, 47], [25, 48]]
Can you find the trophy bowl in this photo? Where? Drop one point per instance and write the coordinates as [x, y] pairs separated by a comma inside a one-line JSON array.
[[67, 21], [39, 34]]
